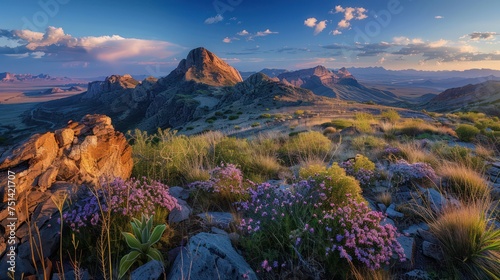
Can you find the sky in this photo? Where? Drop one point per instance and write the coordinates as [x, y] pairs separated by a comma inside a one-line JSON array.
[[90, 38]]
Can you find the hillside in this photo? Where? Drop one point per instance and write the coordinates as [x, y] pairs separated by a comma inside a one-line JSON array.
[[484, 97]]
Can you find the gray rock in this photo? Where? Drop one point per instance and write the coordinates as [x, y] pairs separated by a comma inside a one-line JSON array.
[[179, 192], [393, 213], [210, 256], [427, 236], [417, 274], [382, 207], [219, 219], [414, 228], [409, 245], [218, 231], [436, 200], [149, 271], [432, 250], [178, 215]]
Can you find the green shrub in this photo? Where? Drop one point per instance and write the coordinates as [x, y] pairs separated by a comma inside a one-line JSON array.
[[233, 117], [299, 112], [233, 150], [390, 115], [363, 162], [305, 146], [335, 181], [255, 124], [361, 143], [466, 132], [265, 116]]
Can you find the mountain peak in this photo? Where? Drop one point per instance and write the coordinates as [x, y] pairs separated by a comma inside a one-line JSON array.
[[203, 66]]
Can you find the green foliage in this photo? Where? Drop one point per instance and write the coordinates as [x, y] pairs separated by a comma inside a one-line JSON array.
[[305, 146], [391, 116], [299, 112], [335, 181], [233, 117], [360, 161], [361, 143], [265, 116], [235, 151], [255, 124], [466, 132], [338, 123], [141, 242]]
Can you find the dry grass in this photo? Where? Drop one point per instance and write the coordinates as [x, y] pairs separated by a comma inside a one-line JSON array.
[[471, 246], [413, 153], [414, 127], [465, 182], [384, 198]]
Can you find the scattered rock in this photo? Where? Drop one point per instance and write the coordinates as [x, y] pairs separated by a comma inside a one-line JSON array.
[[219, 219], [178, 215], [393, 213], [414, 228], [382, 207], [427, 236], [149, 271], [432, 250], [409, 245], [179, 192], [210, 256], [417, 274]]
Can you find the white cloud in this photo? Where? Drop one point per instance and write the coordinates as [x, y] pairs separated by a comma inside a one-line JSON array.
[[243, 33], [310, 22], [381, 60], [212, 20], [226, 40], [56, 45], [350, 13], [438, 17], [438, 44], [265, 33], [313, 23], [336, 32]]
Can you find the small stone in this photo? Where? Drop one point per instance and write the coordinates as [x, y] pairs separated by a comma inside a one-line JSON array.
[[432, 250], [393, 213], [417, 274], [382, 207], [414, 228], [220, 219], [178, 215]]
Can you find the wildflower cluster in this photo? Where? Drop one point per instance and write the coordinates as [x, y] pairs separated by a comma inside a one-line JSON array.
[[405, 172], [392, 151], [226, 181], [129, 198], [300, 222], [360, 168]]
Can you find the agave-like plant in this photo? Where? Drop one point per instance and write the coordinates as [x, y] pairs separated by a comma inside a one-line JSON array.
[[141, 242]]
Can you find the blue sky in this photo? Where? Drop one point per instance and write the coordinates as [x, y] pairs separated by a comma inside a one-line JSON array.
[[90, 38]]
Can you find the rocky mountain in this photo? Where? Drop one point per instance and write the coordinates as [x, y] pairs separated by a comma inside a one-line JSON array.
[[483, 97], [337, 84], [202, 82], [10, 77], [202, 66]]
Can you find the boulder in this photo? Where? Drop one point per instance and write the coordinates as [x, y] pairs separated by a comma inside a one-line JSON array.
[[179, 214], [152, 270], [409, 245], [51, 165], [210, 256], [432, 250]]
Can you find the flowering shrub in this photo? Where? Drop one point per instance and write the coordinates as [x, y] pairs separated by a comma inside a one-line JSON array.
[[332, 182], [298, 227], [225, 184], [129, 198], [405, 172], [361, 168]]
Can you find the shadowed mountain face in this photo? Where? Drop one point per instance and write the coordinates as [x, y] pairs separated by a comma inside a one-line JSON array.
[[339, 84], [483, 97]]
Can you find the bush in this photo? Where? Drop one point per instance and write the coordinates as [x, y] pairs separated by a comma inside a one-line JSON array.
[[233, 117], [128, 199], [333, 182], [338, 123], [233, 150], [466, 132], [265, 116], [360, 143], [329, 130], [465, 182], [294, 232], [225, 185], [304, 146], [255, 124], [360, 168], [471, 245], [415, 127], [405, 172], [391, 116]]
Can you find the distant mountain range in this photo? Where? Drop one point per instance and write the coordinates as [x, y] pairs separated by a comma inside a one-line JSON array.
[[10, 77]]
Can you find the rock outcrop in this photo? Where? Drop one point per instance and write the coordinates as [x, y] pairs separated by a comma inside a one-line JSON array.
[[111, 84], [52, 165], [202, 66], [210, 256]]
